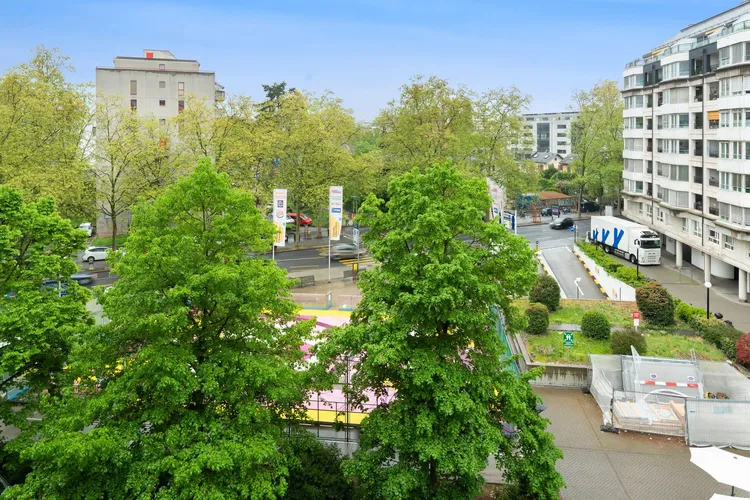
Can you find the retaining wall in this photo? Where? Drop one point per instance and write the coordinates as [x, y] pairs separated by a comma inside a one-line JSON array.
[[613, 288], [554, 375]]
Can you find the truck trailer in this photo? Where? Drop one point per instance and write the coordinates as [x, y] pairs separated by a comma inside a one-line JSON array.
[[628, 240]]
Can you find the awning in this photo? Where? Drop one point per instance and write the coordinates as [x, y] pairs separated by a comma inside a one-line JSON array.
[[713, 115]]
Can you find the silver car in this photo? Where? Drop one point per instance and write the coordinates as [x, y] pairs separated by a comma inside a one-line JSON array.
[[346, 251]]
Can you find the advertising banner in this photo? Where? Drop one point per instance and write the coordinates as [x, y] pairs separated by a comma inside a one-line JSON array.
[[497, 198], [335, 212], [279, 216]]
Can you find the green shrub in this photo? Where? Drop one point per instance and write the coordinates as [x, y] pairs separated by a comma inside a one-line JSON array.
[[656, 304], [538, 315], [718, 333], [314, 469], [595, 325], [547, 292], [630, 276], [622, 340], [685, 312]]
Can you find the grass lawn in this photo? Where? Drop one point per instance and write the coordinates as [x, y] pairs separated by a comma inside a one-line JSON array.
[[571, 311], [107, 242], [549, 349]]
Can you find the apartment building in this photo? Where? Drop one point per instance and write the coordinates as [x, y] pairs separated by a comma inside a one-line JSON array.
[[154, 85], [157, 83], [687, 145], [551, 132]]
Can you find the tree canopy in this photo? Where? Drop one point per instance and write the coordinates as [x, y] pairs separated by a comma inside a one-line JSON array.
[[426, 328], [187, 391]]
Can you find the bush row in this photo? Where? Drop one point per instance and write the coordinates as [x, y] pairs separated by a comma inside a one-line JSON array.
[[616, 269], [725, 337]]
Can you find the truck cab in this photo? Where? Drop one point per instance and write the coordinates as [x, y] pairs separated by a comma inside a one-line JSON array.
[[649, 249]]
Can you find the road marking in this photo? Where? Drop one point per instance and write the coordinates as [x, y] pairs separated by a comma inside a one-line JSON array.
[[304, 267], [312, 257]]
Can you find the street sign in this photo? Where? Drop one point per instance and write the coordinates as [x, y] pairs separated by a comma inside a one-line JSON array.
[[537, 242], [355, 236], [636, 319], [572, 229], [636, 315], [568, 339]]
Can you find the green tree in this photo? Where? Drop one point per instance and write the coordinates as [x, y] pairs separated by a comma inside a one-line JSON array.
[[426, 329], [194, 379], [44, 133], [500, 135], [596, 136], [315, 472], [38, 326]]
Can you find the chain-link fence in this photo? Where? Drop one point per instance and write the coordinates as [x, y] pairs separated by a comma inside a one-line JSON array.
[[718, 422]]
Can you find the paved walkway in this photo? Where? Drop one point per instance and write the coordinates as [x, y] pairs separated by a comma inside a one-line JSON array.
[[688, 287], [627, 466]]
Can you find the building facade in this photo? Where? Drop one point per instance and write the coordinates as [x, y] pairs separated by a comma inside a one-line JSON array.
[[551, 132], [687, 145], [158, 83]]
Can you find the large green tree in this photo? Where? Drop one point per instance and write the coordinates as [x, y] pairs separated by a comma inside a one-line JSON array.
[[38, 325], [426, 328], [45, 124], [187, 392], [596, 136]]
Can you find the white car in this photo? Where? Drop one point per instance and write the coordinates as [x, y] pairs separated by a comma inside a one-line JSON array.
[[86, 226], [94, 253]]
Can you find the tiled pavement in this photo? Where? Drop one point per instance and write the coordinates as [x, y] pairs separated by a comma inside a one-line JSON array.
[[628, 466]]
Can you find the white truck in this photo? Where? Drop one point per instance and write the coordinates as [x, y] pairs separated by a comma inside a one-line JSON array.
[[629, 240]]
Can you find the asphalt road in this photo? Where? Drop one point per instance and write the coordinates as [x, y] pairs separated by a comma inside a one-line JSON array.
[[552, 238]]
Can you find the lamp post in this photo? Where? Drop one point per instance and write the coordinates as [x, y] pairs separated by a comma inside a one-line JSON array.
[[637, 262], [707, 284]]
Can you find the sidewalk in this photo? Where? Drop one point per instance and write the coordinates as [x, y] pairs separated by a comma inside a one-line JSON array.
[[688, 287]]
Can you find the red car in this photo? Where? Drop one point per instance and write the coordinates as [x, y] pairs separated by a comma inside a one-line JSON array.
[[304, 220]]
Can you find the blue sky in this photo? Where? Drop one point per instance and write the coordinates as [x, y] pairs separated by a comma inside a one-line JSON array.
[[363, 50]]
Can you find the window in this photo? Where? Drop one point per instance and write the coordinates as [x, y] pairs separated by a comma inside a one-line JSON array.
[[660, 215], [724, 180], [181, 88], [180, 105], [162, 121], [697, 229], [724, 56], [728, 242], [724, 119], [684, 146], [562, 126], [737, 150], [713, 236], [737, 183], [724, 211], [133, 104], [684, 225], [684, 121], [724, 150], [737, 116], [562, 134], [162, 67], [736, 85], [683, 172], [724, 87], [736, 53], [162, 102], [133, 87], [162, 84]]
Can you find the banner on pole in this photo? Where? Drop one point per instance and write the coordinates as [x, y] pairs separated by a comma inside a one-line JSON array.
[[496, 194], [279, 216], [335, 212]]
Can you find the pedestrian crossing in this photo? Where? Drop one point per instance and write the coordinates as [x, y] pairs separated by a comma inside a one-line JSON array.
[[365, 260]]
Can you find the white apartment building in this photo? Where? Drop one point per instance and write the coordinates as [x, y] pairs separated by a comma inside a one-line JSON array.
[[551, 132], [687, 145], [157, 83]]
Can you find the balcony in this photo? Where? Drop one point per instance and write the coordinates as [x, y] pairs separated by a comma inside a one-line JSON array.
[[713, 124], [713, 211], [698, 205], [650, 192], [712, 181], [698, 179], [649, 170], [713, 154]]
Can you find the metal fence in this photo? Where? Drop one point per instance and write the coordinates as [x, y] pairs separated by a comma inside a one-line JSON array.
[[606, 375], [652, 412], [718, 422]]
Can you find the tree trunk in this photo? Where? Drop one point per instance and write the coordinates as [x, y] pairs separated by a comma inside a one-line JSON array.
[[296, 225], [114, 233], [580, 200]]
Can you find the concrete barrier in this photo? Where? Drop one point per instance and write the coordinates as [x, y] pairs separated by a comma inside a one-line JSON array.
[[609, 285], [554, 375]]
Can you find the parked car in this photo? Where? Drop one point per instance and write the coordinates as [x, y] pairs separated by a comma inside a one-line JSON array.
[[94, 253], [589, 206], [546, 212], [83, 278], [346, 251], [304, 220], [86, 226], [562, 223]]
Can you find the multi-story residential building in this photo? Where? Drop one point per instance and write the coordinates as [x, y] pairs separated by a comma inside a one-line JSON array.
[[687, 145], [551, 132], [157, 83]]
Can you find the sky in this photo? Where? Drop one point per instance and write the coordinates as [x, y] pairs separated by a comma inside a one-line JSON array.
[[363, 50]]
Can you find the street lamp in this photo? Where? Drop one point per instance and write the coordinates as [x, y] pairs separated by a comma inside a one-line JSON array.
[[707, 284], [637, 262]]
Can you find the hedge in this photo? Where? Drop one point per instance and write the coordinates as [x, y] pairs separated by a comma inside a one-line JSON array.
[[595, 325], [720, 334], [623, 339], [743, 349], [546, 291], [685, 312], [538, 315], [656, 304], [616, 269]]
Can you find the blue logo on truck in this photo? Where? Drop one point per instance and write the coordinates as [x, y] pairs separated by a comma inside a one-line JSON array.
[[618, 236], [595, 234], [605, 235]]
